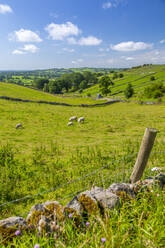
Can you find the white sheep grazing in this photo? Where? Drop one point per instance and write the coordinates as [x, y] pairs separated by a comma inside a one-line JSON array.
[[81, 119], [73, 118], [18, 125], [70, 123]]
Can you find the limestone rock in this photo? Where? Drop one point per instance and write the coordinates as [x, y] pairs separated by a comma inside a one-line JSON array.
[[35, 214], [161, 180], [97, 200], [55, 209], [107, 200], [75, 210], [9, 226], [73, 207], [149, 183], [88, 201], [123, 190], [52, 210], [159, 169], [44, 225]]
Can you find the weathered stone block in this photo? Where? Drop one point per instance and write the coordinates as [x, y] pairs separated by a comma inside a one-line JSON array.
[[52, 210], [9, 226], [123, 190]]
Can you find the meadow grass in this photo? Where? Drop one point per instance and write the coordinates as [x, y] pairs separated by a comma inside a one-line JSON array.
[[46, 153], [138, 223], [17, 91]]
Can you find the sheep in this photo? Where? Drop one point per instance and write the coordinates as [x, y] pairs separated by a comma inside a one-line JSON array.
[[70, 123], [73, 118], [19, 125], [81, 119]]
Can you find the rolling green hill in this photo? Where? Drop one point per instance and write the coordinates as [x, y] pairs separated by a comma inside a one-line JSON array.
[[17, 91], [138, 77]]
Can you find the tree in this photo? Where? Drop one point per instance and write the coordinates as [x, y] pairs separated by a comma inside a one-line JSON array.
[[39, 83], [66, 81], [115, 75], [129, 91], [77, 79], [104, 85], [55, 86], [155, 91], [83, 84], [90, 77], [121, 75], [46, 88], [152, 78]]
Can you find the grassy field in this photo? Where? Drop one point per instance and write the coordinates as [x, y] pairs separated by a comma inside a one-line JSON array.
[[47, 153], [17, 91]]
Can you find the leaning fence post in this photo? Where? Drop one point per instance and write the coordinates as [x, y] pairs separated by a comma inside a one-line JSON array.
[[143, 155]]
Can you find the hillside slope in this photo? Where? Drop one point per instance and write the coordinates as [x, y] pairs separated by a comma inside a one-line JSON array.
[[138, 77]]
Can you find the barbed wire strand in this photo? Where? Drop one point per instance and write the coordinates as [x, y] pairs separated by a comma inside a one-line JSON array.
[[75, 180], [79, 191], [66, 184]]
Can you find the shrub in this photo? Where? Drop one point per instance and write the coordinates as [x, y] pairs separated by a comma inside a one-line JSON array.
[[104, 85], [155, 91], [129, 91], [121, 75], [152, 78]]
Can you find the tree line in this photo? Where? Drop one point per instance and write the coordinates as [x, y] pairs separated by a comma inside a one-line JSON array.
[[77, 81], [67, 82]]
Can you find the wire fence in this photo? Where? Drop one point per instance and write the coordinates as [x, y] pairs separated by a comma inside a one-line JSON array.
[[75, 193], [68, 183], [114, 176]]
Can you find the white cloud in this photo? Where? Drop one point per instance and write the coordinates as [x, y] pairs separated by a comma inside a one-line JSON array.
[[129, 58], [162, 41], [107, 5], [68, 50], [114, 4], [104, 49], [89, 41], [30, 48], [72, 41], [131, 46], [27, 48], [78, 61], [61, 31], [17, 52], [85, 41], [5, 9], [24, 35]]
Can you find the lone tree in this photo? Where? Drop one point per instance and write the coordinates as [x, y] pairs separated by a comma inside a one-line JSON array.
[[152, 78], [129, 91], [104, 85]]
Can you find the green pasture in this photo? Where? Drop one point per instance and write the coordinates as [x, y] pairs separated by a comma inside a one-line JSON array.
[[46, 153], [17, 91]]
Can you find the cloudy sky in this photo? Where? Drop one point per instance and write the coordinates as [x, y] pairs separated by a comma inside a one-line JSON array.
[[39, 34]]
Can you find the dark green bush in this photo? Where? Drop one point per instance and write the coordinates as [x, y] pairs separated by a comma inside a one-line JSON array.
[[129, 91], [155, 91]]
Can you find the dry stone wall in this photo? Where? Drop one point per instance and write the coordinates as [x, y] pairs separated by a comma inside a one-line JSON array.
[[50, 217]]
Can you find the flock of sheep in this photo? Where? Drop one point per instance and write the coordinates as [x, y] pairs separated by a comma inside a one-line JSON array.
[[74, 118], [70, 123]]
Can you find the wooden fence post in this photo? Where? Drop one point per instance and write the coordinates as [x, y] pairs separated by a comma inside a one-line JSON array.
[[143, 155]]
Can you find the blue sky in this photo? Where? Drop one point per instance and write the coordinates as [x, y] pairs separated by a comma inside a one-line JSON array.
[[39, 34]]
